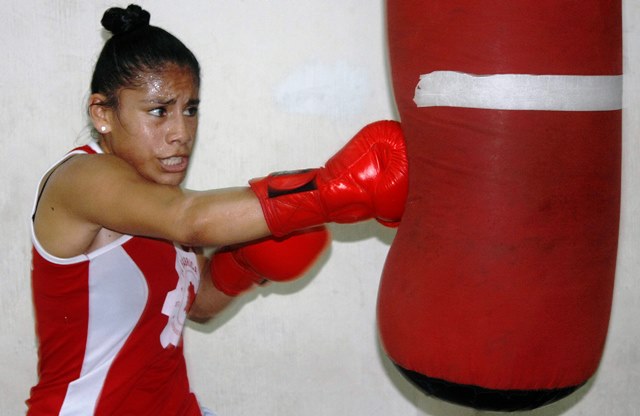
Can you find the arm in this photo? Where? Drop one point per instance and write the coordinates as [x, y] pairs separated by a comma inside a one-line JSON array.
[[366, 179], [209, 301], [91, 192]]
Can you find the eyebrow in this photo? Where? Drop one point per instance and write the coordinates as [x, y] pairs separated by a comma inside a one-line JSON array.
[[170, 101]]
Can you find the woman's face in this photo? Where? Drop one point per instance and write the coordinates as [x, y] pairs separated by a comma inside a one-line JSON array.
[[154, 126]]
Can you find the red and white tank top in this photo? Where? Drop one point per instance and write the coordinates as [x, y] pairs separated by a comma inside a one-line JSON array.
[[109, 325]]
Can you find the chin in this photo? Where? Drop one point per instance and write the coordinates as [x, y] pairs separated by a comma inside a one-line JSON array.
[[170, 179], [176, 182]]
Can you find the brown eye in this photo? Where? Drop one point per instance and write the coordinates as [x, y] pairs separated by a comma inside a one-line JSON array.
[[158, 112], [191, 111]]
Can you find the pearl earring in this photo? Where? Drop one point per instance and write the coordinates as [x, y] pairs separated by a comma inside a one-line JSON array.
[[103, 129]]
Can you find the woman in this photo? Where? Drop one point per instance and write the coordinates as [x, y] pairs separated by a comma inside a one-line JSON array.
[[113, 272]]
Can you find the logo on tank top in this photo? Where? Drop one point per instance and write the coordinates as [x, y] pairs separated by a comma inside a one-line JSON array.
[[178, 301]]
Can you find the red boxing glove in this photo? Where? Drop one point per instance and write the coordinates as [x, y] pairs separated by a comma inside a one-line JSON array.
[[366, 179], [236, 269]]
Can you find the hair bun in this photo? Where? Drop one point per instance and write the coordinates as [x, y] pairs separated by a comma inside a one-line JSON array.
[[117, 20]]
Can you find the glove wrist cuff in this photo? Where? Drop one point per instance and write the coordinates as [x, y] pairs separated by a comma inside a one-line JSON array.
[[290, 200]]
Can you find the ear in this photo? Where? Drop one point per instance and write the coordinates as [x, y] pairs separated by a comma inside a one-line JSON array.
[[99, 113]]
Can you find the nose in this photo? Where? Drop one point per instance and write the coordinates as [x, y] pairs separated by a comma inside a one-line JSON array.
[[181, 130]]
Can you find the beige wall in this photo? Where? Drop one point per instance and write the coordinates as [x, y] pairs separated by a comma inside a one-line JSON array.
[[286, 82]]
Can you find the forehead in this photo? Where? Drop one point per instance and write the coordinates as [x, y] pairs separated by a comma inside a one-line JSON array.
[[172, 81]]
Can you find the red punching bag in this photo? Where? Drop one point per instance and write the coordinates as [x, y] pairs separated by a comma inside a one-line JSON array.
[[497, 290]]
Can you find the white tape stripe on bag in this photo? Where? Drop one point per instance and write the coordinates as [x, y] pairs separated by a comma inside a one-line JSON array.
[[519, 92]]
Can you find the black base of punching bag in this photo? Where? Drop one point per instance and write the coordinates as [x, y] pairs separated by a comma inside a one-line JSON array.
[[485, 399]]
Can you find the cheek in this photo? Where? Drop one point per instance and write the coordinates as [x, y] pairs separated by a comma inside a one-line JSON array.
[[138, 157], [191, 124], [146, 138], [148, 131], [137, 147]]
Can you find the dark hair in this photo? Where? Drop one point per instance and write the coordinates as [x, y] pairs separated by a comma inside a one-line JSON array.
[[135, 47]]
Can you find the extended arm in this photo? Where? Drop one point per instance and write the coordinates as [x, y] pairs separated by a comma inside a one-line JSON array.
[[366, 179], [92, 192]]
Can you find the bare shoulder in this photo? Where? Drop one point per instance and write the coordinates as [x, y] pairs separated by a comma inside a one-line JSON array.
[[65, 221], [81, 180], [89, 168]]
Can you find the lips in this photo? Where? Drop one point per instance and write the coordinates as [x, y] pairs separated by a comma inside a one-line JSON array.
[[174, 163]]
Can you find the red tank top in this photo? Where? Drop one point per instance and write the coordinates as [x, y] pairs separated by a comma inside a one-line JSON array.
[[109, 326]]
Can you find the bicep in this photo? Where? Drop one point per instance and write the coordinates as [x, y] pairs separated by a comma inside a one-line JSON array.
[[106, 192], [111, 194]]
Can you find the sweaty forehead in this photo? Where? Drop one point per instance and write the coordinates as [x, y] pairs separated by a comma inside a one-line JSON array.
[[168, 83]]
